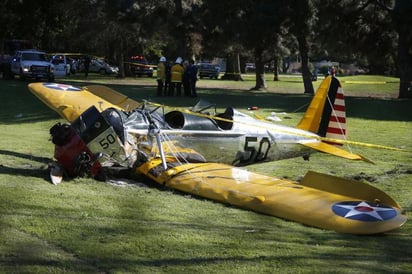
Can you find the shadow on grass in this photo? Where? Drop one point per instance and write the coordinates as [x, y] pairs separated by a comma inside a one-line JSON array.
[[25, 169], [344, 252], [147, 244], [43, 160], [20, 106]]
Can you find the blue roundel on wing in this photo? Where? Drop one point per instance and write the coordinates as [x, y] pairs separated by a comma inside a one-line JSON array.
[[62, 87], [364, 211]]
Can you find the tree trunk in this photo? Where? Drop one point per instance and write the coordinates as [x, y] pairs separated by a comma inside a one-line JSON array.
[[306, 75], [260, 71], [179, 31], [276, 69], [232, 68], [404, 64]]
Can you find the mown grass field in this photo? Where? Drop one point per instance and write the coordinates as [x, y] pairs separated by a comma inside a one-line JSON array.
[[87, 226]]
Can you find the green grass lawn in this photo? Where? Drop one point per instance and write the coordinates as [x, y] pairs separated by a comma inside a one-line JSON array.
[[89, 226]]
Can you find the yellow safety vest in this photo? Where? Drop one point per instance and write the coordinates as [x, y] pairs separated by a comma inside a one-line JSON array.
[[176, 73]]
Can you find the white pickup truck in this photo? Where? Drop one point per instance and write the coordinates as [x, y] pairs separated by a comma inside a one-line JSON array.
[[32, 64]]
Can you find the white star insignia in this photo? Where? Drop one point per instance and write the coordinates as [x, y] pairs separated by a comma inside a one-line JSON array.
[[364, 208], [61, 86]]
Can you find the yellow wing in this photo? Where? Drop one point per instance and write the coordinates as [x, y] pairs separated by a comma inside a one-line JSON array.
[[68, 101], [113, 97], [321, 201]]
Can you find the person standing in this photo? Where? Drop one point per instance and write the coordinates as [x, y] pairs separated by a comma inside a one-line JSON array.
[[176, 77], [193, 78], [166, 89], [86, 63], [161, 75], [186, 78]]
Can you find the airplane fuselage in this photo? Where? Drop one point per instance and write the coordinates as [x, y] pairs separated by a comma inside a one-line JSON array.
[[247, 141]]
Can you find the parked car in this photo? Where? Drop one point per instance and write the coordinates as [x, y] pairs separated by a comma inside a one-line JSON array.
[[208, 70], [139, 66], [250, 67], [100, 66], [32, 64], [61, 65]]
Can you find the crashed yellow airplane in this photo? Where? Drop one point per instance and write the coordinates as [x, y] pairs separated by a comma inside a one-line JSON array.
[[230, 137], [187, 151]]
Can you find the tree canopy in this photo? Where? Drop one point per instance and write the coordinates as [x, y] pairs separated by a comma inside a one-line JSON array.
[[375, 34]]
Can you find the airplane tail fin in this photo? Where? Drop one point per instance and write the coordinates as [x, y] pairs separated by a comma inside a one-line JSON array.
[[326, 115]]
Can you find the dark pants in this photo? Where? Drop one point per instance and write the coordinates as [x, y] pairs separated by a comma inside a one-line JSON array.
[[193, 88], [175, 86], [86, 71], [166, 87], [160, 87], [187, 87]]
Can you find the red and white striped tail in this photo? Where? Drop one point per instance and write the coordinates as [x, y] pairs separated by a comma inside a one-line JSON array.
[[337, 123]]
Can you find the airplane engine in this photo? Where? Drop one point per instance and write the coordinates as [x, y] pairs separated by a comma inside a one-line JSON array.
[[72, 152]]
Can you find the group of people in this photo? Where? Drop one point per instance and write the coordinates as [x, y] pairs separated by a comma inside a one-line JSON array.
[[171, 77]]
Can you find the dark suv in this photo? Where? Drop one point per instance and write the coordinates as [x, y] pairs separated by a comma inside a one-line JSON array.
[[208, 70], [139, 66]]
